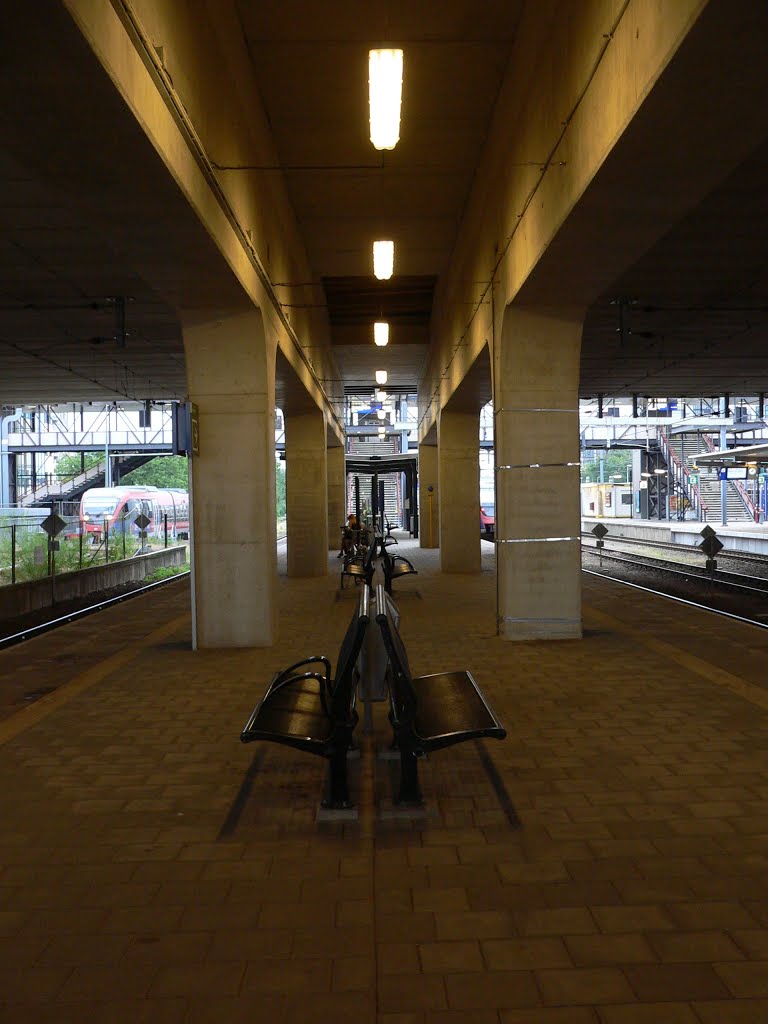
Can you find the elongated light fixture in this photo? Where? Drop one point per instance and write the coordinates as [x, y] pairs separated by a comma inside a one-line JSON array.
[[381, 376], [380, 414], [385, 91], [381, 333], [381, 396], [383, 259]]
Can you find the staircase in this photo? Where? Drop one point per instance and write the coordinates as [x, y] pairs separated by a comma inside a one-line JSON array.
[[72, 490], [364, 447], [688, 448]]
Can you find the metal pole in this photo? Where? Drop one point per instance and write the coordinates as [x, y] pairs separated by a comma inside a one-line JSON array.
[[357, 501], [13, 553], [165, 517], [106, 541], [724, 483]]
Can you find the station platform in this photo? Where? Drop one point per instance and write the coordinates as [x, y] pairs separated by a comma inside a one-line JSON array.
[[605, 864], [751, 537]]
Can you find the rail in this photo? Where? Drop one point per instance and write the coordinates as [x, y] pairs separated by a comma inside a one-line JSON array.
[[741, 490], [681, 476]]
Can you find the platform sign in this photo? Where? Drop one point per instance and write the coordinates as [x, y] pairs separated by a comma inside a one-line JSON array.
[[599, 531], [707, 532], [53, 525], [142, 521], [711, 546]]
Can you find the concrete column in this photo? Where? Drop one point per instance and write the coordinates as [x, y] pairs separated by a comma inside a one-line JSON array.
[[337, 495], [429, 508], [306, 493], [538, 559], [231, 379], [458, 453]]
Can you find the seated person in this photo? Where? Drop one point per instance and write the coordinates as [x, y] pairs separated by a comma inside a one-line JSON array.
[[348, 537]]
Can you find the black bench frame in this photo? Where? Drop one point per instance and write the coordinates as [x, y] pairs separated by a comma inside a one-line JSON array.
[[394, 566], [423, 710], [360, 567], [301, 697]]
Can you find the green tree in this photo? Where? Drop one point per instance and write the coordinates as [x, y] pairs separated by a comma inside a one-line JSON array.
[[163, 471], [280, 488], [615, 464], [68, 466]]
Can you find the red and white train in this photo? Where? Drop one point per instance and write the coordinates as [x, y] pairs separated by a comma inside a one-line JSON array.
[[119, 507]]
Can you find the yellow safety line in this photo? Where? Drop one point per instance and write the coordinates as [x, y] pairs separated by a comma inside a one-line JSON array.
[[754, 694], [27, 717]]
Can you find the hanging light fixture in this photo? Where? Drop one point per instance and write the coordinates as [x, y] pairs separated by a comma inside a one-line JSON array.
[[380, 414], [381, 376], [382, 431], [381, 333], [383, 259], [385, 91], [381, 396]]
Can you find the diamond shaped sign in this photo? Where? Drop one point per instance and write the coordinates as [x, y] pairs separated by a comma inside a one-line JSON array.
[[711, 545], [53, 524], [142, 521], [599, 531], [707, 532]]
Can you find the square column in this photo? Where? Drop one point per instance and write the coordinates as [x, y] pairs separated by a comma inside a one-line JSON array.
[[429, 508], [337, 495], [306, 493], [536, 437], [458, 453], [231, 379]]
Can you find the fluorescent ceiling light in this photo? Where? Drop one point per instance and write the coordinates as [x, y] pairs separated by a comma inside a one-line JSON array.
[[381, 376], [380, 414], [383, 260], [385, 91], [381, 396], [381, 333]]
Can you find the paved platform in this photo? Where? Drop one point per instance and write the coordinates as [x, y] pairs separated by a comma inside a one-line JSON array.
[[606, 864]]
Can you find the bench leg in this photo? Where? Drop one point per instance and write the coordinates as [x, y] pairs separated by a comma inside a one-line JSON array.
[[338, 783], [409, 793]]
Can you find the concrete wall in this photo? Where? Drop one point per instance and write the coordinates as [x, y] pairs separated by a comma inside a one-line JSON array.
[[20, 598]]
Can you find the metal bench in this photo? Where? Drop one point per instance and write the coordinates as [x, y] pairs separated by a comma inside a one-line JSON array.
[[360, 567], [395, 566], [429, 712], [304, 707]]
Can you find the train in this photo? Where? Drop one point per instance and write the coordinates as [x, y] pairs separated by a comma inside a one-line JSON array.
[[119, 507]]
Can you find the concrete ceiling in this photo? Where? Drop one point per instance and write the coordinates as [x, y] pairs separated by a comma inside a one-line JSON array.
[[74, 172]]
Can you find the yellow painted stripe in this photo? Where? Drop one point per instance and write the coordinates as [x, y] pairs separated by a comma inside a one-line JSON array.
[[712, 673], [27, 717]]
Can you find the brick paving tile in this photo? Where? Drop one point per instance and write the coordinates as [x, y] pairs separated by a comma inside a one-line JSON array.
[[491, 989], [702, 914], [632, 918], [440, 899], [474, 924], [409, 992], [95, 983], [648, 1013], [551, 1015], [234, 1009], [353, 974], [583, 986], [524, 954], [607, 950], [748, 1011], [752, 942], [674, 982], [444, 957], [749, 980], [694, 947]]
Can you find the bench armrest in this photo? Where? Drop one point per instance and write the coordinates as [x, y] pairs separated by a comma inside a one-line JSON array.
[[305, 661], [278, 683]]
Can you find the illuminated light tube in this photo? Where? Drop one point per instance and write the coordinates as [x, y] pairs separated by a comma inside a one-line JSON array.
[[381, 333], [383, 260], [381, 396], [380, 414], [385, 91], [381, 376]]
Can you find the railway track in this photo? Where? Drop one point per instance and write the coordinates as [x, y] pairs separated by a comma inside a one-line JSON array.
[[730, 593], [38, 628]]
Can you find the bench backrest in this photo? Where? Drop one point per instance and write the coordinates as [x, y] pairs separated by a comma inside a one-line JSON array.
[[346, 663], [404, 700]]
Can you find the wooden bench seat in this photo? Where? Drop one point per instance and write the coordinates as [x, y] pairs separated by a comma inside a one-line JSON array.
[[307, 708], [429, 712]]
